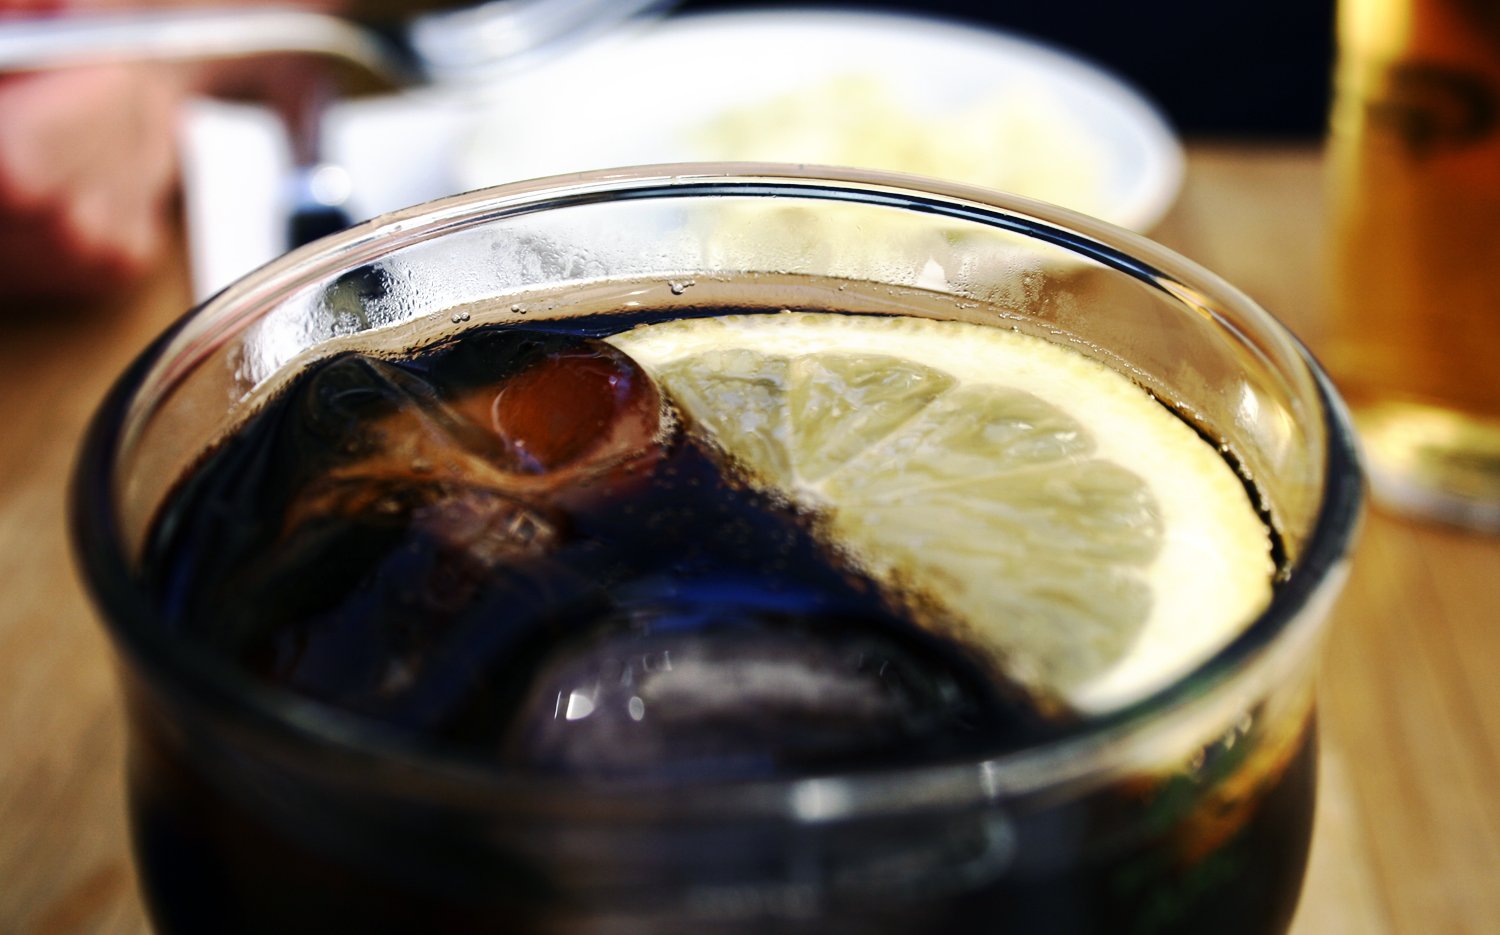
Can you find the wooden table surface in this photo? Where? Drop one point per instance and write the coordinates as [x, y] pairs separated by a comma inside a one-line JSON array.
[[1408, 835]]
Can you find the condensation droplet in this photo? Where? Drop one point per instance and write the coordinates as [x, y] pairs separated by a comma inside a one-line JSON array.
[[679, 286], [460, 317]]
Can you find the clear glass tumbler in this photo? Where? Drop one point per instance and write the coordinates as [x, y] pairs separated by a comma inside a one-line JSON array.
[[1189, 810]]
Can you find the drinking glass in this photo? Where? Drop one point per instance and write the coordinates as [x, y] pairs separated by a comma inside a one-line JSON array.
[[1414, 330], [1186, 810]]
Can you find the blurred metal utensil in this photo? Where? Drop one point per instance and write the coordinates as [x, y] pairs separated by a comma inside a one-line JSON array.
[[34, 43], [429, 47], [433, 46]]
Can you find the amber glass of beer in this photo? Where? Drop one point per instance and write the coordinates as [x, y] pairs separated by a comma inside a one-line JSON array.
[[1416, 285]]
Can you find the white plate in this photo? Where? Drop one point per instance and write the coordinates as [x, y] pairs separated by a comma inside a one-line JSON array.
[[664, 93], [880, 91]]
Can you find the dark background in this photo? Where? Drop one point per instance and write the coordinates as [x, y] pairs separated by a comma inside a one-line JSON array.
[[1218, 68]]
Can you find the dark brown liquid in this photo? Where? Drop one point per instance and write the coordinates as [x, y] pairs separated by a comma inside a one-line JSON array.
[[511, 547]]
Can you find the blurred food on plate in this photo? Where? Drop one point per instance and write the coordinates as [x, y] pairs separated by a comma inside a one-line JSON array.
[[1020, 138]]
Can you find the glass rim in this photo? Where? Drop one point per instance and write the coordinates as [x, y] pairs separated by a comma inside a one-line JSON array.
[[345, 741]]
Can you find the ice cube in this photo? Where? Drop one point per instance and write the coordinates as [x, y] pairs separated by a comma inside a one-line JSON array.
[[528, 412], [424, 500], [696, 683], [359, 603], [584, 403]]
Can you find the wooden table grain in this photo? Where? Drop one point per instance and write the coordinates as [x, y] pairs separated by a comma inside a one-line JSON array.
[[1408, 833]]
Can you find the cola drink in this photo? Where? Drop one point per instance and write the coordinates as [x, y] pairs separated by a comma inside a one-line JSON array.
[[511, 552]]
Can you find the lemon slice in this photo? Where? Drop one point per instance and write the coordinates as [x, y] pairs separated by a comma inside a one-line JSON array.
[[1077, 532]]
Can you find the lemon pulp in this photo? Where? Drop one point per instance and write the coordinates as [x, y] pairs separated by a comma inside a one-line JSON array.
[[1040, 504]]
